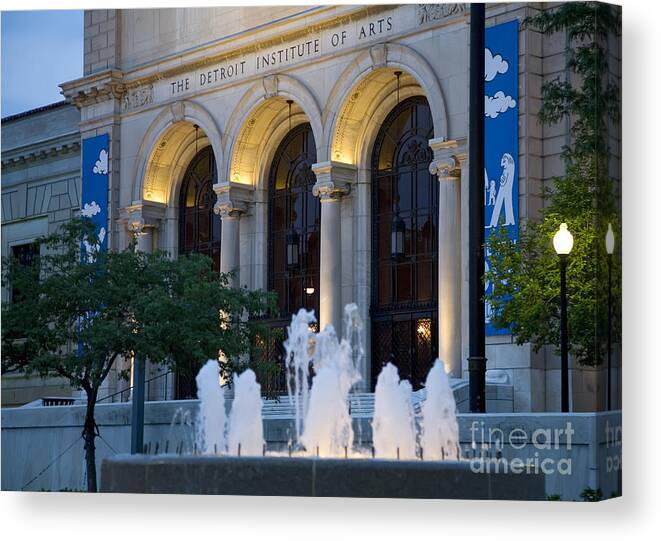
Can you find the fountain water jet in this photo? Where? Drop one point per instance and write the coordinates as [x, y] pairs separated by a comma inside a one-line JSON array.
[[298, 356], [393, 425], [211, 420], [245, 422], [440, 432], [328, 427]]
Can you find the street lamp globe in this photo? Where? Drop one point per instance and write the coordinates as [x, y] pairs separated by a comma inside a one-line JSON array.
[[610, 240], [563, 241]]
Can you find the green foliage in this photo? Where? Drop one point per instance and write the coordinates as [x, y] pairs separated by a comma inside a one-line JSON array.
[[591, 495], [76, 318], [525, 274]]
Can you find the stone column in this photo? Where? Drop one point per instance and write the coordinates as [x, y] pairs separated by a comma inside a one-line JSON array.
[[447, 166], [333, 183], [232, 203], [229, 240], [143, 219]]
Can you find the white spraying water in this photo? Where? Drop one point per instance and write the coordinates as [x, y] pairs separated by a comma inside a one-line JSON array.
[[328, 429], [299, 348], [245, 422], [440, 432], [211, 420], [393, 425]]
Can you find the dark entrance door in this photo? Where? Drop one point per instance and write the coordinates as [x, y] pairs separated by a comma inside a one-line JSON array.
[[404, 244]]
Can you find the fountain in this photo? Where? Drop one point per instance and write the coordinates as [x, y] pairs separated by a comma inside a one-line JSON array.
[[328, 428], [246, 432], [393, 426], [211, 420], [440, 433], [322, 370], [298, 355]]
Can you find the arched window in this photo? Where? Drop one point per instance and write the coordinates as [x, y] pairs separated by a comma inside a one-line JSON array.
[[199, 227], [404, 243], [293, 239], [294, 213]]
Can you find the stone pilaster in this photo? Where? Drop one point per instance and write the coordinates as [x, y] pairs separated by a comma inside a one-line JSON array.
[[446, 164], [333, 183], [233, 201]]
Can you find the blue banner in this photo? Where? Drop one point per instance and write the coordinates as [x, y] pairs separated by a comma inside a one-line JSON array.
[[501, 123], [94, 197]]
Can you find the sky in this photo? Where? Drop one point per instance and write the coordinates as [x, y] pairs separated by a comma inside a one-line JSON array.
[[40, 49]]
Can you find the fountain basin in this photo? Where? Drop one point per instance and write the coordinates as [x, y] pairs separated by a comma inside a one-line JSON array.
[[306, 476]]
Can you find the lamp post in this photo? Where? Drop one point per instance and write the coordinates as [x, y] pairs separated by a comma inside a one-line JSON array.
[[610, 247], [477, 360], [563, 242]]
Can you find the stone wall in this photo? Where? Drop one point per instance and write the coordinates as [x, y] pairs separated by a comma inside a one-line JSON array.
[[102, 40], [583, 449], [41, 185]]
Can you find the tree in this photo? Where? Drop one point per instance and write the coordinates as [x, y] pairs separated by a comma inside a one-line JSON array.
[[74, 318], [525, 274]]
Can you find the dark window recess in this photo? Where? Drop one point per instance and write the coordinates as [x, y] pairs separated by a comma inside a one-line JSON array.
[[404, 243], [293, 238], [25, 255]]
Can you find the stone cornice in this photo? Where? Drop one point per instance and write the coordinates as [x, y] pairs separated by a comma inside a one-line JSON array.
[[204, 56], [135, 86], [94, 88], [47, 148]]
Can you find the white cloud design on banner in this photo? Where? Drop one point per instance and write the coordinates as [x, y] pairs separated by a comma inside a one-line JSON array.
[[101, 165], [493, 65], [92, 249], [90, 209], [497, 104]]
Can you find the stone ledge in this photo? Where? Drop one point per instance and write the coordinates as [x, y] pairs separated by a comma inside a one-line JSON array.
[[279, 476]]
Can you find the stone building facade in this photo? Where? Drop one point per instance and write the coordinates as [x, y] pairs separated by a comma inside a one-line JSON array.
[[166, 84], [40, 191]]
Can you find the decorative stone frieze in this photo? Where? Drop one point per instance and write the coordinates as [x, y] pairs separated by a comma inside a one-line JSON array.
[[434, 12], [138, 97]]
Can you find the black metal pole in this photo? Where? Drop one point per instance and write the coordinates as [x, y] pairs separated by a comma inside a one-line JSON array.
[[564, 344], [610, 326], [138, 406], [477, 362]]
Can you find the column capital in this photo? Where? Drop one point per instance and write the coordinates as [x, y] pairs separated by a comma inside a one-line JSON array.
[[141, 215], [449, 155], [334, 180], [233, 199]]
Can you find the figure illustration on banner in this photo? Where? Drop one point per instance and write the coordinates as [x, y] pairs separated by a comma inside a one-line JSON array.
[[505, 192]]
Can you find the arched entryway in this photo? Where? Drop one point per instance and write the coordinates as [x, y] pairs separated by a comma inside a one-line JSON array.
[[404, 243], [293, 235]]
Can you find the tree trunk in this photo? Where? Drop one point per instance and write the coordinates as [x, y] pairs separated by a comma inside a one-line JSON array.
[[89, 434]]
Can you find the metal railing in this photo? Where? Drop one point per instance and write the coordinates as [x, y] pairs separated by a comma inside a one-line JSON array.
[[125, 394]]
